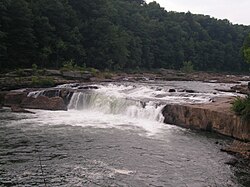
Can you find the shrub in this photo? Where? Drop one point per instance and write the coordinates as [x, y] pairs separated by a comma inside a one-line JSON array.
[[187, 67], [71, 66], [241, 106], [42, 81], [20, 72], [94, 71]]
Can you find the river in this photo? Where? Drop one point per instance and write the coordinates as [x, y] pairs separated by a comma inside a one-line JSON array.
[[114, 136]]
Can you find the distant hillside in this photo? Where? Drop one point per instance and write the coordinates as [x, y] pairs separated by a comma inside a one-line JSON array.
[[115, 35]]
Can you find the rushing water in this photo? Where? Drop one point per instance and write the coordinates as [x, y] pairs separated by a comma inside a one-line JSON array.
[[114, 136]]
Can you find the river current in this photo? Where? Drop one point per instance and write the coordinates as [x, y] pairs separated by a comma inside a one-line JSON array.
[[115, 136]]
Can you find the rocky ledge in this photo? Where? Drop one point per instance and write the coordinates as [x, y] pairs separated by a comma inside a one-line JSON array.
[[52, 99], [215, 117]]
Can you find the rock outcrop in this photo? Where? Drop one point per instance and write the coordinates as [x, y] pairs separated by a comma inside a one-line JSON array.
[[216, 117], [14, 98], [44, 103], [18, 100], [77, 75]]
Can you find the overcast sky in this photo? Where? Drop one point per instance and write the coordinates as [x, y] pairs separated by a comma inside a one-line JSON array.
[[236, 11]]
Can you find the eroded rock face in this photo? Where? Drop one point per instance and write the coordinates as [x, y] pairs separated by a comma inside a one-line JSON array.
[[208, 118], [44, 103], [14, 98]]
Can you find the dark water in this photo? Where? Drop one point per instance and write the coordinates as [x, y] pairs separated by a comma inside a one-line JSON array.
[[39, 152]]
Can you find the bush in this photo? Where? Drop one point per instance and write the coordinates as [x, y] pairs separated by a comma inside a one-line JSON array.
[[187, 67], [20, 72], [71, 66], [241, 106], [42, 81]]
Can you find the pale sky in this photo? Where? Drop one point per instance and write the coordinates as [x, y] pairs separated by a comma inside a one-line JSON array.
[[236, 11]]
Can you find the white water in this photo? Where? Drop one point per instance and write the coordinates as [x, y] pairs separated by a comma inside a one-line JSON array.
[[116, 105], [123, 106]]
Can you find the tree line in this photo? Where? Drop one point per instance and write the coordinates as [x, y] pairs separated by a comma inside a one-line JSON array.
[[115, 35]]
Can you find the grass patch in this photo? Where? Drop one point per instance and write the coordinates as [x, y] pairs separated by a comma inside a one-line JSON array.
[[241, 107]]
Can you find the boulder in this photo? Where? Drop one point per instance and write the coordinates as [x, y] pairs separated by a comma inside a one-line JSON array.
[[65, 94], [18, 109], [14, 98], [171, 90], [44, 103]]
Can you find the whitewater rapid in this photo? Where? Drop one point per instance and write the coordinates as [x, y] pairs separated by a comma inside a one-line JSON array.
[[123, 105]]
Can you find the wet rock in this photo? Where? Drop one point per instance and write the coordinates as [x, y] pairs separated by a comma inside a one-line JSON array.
[[44, 103], [18, 109], [14, 98], [238, 147], [190, 91], [243, 89], [88, 87], [171, 90], [248, 85]]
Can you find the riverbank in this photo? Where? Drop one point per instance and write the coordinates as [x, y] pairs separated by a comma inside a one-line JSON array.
[[30, 78]]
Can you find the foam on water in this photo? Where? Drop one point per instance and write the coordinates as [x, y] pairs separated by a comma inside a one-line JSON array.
[[116, 105]]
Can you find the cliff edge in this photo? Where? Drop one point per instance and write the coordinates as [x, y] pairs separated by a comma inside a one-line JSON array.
[[215, 116]]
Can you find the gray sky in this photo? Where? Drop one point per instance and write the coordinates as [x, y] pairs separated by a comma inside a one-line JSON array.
[[236, 11]]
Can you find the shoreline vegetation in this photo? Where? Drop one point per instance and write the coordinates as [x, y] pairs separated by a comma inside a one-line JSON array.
[[116, 35]]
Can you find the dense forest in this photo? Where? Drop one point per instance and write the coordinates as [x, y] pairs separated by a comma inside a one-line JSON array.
[[115, 35]]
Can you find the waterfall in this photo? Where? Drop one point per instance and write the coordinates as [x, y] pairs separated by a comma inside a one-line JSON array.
[[116, 105]]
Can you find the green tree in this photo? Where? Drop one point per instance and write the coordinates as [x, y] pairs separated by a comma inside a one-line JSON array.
[[20, 35], [246, 49]]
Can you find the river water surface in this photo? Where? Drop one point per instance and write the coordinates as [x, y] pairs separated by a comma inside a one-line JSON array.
[[114, 136]]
